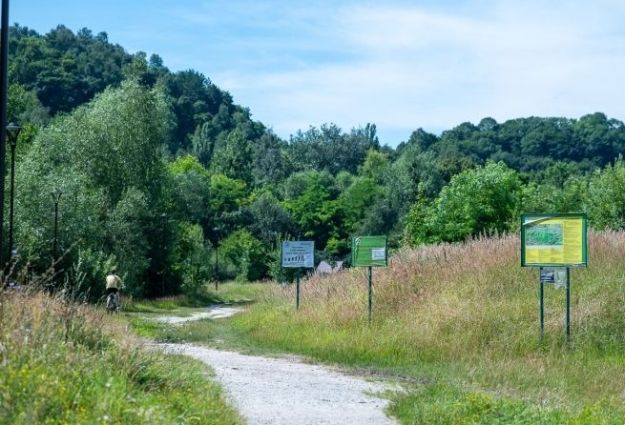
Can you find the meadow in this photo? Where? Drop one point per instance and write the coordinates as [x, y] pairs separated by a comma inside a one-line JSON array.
[[458, 325]]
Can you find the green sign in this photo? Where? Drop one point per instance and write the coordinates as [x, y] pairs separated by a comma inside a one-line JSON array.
[[369, 251]]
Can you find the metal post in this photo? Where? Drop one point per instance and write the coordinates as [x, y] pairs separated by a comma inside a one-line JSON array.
[[12, 199], [297, 289], [56, 197], [4, 84], [542, 307], [56, 229], [568, 304], [370, 290], [216, 268]]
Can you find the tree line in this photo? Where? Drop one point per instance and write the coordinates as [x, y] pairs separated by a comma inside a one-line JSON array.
[[166, 179]]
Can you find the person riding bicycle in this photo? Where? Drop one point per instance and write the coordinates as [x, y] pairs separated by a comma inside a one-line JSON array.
[[113, 285]]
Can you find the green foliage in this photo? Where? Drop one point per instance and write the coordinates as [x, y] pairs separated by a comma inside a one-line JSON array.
[[141, 152], [356, 202], [24, 106], [192, 191], [192, 260], [234, 158], [106, 159], [268, 219], [483, 200], [375, 166], [63, 68], [329, 149], [606, 197], [247, 254], [311, 201]]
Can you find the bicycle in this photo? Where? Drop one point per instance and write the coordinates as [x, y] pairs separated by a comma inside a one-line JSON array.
[[112, 302]]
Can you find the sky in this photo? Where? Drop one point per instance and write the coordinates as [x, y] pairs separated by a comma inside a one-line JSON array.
[[402, 65]]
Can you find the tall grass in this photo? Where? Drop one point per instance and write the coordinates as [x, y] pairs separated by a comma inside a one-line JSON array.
[[66, 363], [467, 314]]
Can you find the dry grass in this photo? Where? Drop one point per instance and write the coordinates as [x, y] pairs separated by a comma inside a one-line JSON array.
[[468, 312]]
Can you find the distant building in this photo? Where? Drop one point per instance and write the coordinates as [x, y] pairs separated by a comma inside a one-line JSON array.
[[338, 267], [324, 268]]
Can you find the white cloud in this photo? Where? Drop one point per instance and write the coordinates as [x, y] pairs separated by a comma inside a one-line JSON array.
[[404, 67]]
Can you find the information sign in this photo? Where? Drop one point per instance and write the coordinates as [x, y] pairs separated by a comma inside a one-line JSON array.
[[554, 276], [557, 240], [369, 251], [298, 254]]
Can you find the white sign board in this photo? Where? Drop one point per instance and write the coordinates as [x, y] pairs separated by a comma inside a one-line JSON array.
[[378, 253], [298, 254], [553, 275]]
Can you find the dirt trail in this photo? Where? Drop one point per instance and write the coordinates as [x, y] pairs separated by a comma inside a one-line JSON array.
[[287, 391], [215, 312]]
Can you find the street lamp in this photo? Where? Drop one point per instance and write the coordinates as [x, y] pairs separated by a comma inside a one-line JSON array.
[[216, 232], [4, 85], [13, 131], [56, 197]]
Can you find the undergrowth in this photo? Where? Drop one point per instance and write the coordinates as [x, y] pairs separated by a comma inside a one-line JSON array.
[[72, 364]]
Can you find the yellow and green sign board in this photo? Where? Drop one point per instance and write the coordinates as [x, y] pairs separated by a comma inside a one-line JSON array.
[[369, 251], [553, 240]]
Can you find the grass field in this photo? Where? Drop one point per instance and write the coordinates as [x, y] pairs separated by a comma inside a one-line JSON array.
[[62, 363], [458, 324]]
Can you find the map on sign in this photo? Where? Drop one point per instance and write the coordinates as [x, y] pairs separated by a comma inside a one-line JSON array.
[[298, 254], [369, 251], [553, 240]]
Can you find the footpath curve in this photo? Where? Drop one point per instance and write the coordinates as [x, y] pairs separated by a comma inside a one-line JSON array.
[[287, 391]]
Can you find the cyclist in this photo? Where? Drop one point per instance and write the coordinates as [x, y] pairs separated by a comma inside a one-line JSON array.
[[113, 285]]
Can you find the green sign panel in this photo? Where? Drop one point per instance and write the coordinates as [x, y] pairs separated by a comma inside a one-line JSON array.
[[369, 251]]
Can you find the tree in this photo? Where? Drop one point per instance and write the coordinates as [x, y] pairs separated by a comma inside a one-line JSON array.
[[268, 220], [483, 200], [234, 158], [106, 157], [329, 149], [247, 254], [313, 206], [192, 191], [605, 201]]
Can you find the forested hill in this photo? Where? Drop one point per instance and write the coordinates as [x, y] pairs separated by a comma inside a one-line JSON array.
[[161, 172]]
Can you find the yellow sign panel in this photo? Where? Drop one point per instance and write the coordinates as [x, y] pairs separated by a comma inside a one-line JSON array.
[[553, 240]]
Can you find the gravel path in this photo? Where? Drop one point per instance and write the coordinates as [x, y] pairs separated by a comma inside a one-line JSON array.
[[286, 391], [215, 312]]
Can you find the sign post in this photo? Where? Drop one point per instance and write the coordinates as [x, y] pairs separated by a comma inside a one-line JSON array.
[[369, 251], [568, 304], [554, 243], [298, 254], [370, 291]]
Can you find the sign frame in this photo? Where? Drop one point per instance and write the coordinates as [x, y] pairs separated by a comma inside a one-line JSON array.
[[309, 247], [373, 247], [308, 261], [374, 250], [584, 243]]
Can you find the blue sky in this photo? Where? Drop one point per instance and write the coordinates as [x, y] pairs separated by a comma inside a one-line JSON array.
[[399, 64]]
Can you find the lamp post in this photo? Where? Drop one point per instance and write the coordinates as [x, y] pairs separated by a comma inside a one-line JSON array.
[[56, 197], [13, 131], [216, 234], [4, 85]]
